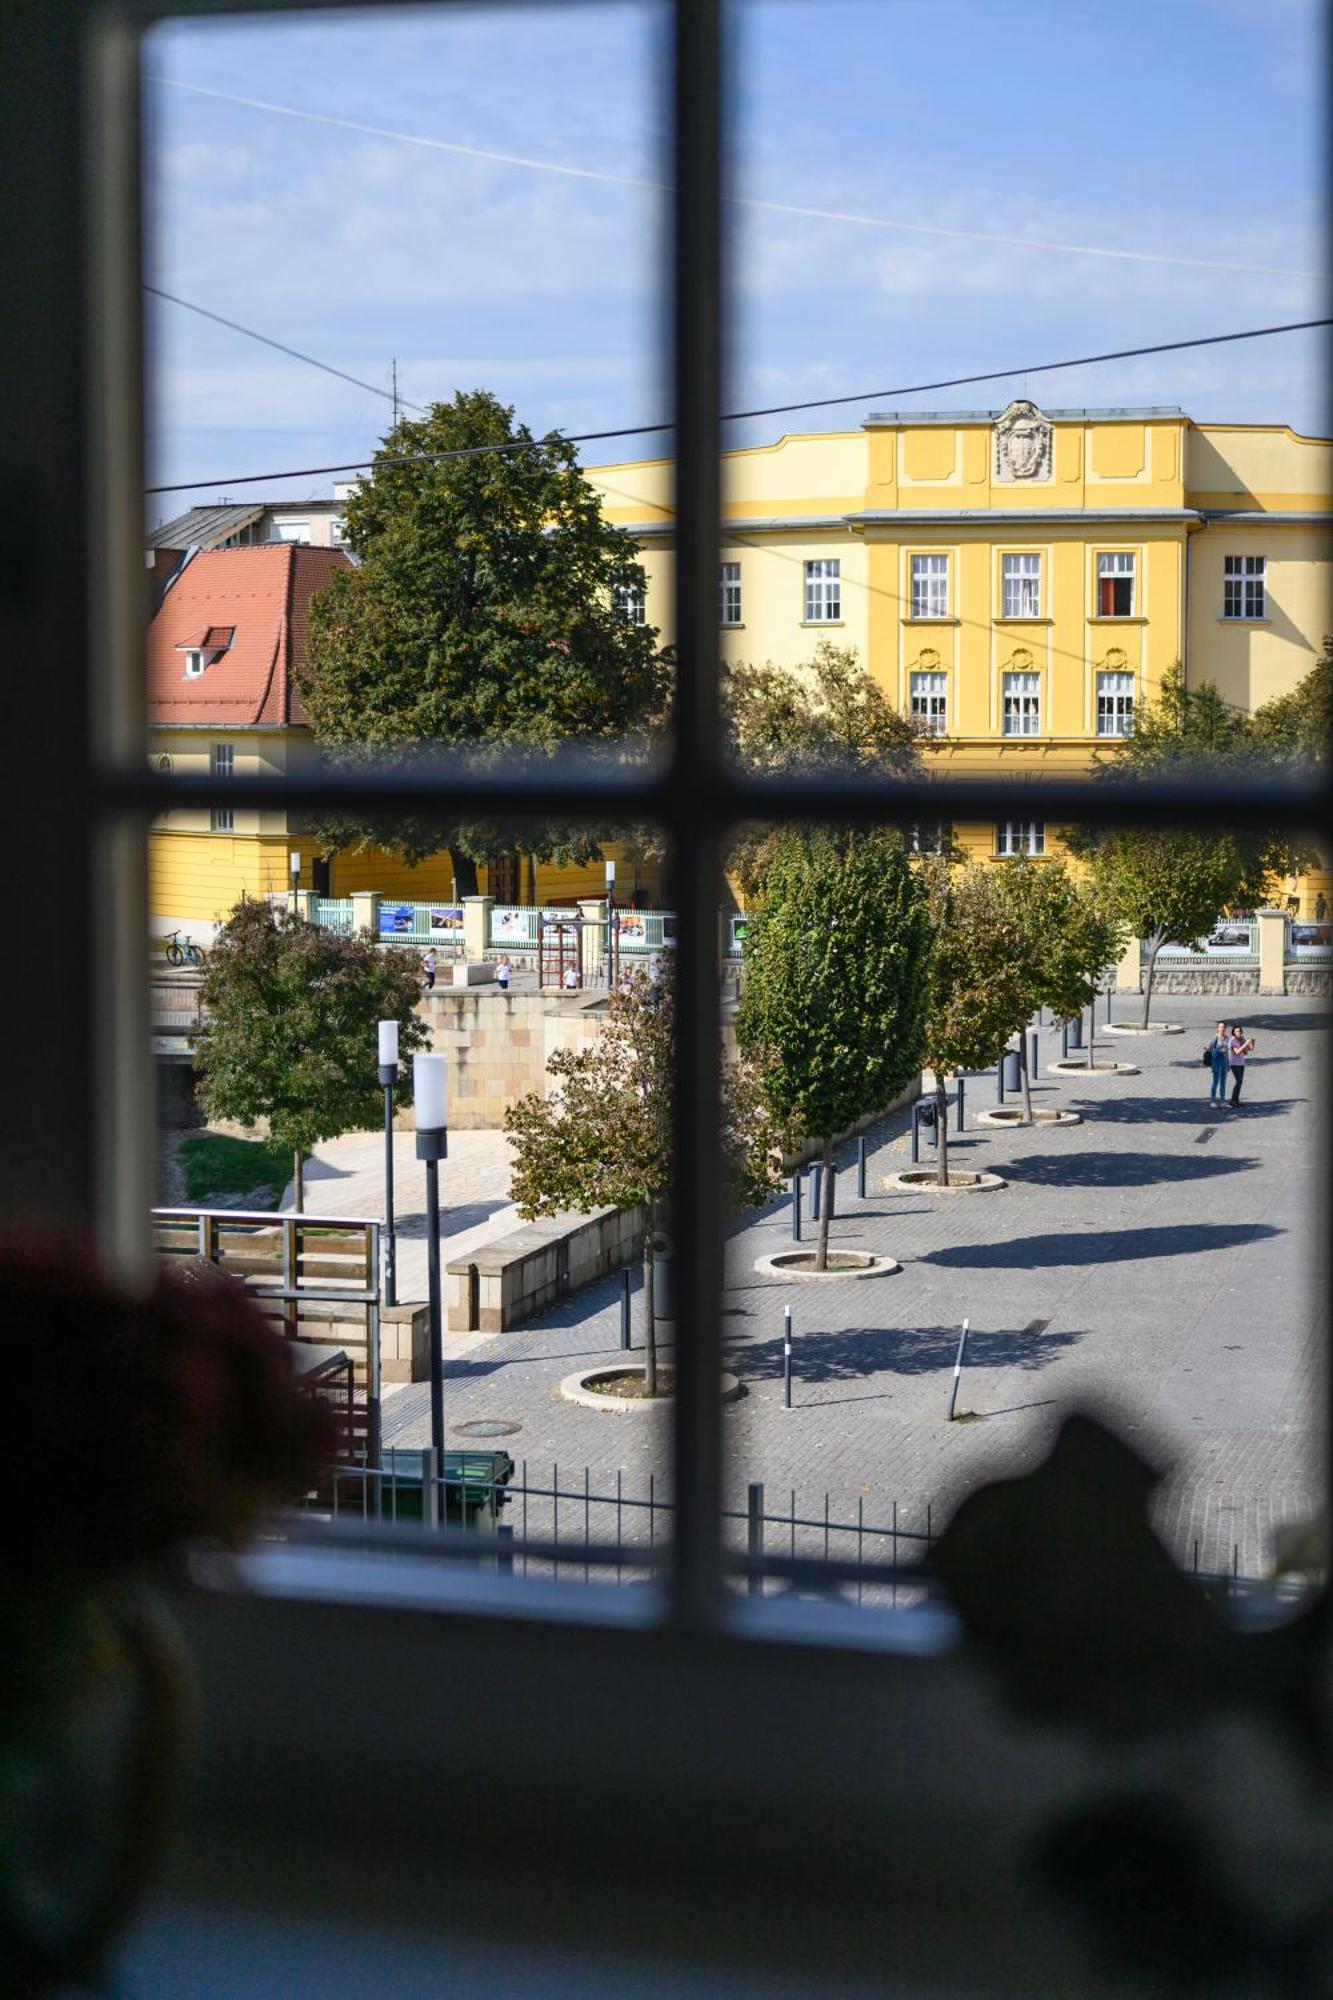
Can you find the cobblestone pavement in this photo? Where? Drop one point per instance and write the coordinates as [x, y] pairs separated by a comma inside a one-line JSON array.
[[1154, 1261]]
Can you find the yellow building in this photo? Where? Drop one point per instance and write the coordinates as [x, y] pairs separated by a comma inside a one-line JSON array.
[[1018, 579]]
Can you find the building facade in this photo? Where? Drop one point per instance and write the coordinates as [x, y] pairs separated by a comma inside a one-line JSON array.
[[1020, 580]]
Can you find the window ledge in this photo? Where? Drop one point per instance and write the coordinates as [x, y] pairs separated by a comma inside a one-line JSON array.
[[732, 625], [1116, 618], [1007, 618], [1244, 621], [910, 619], [816, 624]]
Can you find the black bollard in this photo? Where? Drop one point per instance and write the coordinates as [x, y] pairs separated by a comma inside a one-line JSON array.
[[786, 1357], [796, 1208], [624, 1308], [816, 1188], [861, 1169], [961, 1082], [916, 1134], [1032, 1055]]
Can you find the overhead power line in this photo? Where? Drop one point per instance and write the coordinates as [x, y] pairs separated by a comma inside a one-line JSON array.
[[734, 416], [536, 165], [266, 340]]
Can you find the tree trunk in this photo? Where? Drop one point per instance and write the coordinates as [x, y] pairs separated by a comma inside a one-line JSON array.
[[1153, 949], [649, 1319], [465, 873], [298, 1180], [825, 1206], [942, 1131], [1025, 1074]]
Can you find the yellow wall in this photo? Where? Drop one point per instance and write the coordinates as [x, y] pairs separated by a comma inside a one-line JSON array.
[[1252, 663]]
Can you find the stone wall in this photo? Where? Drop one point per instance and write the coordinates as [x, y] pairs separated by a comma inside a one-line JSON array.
[[515, 1275], [498, 1045]]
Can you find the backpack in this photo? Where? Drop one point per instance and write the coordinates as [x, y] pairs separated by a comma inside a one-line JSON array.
[[1208, 1055]]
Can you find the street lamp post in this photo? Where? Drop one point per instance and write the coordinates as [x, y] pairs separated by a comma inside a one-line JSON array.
[[294, 864], [612, 953], [389, 1077], [429, 1092]]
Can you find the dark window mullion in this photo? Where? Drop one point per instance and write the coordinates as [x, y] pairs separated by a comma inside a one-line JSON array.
[[693, 828]]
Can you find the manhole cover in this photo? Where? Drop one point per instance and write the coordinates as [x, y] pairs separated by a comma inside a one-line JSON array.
[[487, 1427]]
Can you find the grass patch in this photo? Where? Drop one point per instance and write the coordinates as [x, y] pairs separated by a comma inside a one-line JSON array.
[[213, 1163]]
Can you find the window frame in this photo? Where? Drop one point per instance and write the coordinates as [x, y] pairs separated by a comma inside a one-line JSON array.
[[1250, 577], [928, 595], [727, 583], [1031, 838], [1117, 696], [629, 603], [1122, 556], [821, 579], [1013, 556], [80, 794], [926, 696], [1026, 700]]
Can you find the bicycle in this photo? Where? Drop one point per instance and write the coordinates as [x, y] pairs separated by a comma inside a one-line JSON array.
[[185, 952]]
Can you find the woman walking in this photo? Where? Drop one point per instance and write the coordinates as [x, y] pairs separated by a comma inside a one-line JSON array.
[[1237, 1050], [1218, 1052]]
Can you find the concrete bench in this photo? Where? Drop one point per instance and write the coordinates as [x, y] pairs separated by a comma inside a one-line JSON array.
[[506, 1281]]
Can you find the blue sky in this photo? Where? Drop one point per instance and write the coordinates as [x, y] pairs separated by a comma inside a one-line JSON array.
[[1189, 133]]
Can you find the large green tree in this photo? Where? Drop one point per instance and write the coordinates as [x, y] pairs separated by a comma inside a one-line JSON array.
[[289, 1015], [977, 990], [487, 611], [1060, 938], [603, 1137], [825, 714], [1170, 887], [834, 979], [1297, 728]]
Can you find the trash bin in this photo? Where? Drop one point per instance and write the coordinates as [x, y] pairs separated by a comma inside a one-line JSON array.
[[927, 1116], [1076, 1032], [1013, 1070], [664, 1277], [474, 1483]]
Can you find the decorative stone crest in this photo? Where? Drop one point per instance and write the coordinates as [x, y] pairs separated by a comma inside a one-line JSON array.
[[1022, 443]]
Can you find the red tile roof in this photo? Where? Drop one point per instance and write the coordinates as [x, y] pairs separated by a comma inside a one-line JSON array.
[[264, 595]]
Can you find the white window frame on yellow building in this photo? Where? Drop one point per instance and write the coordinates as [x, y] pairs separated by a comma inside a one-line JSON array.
[[932, 724], [1245, 579], [821, 572], [1031, 838], [1006, 557], [1138, 598], [933, 617], [729, 580], [1032, 692]]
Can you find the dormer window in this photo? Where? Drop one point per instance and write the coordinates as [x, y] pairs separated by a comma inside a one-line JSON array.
[[202, 648]]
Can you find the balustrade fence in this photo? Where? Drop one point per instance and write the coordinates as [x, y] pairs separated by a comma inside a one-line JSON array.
[[488, 1510]]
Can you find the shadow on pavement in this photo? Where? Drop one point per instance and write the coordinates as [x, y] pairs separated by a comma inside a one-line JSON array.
[[1121, 1169], [453, 1221], [1171, 1110], [1101, 1246], [858, 1353]]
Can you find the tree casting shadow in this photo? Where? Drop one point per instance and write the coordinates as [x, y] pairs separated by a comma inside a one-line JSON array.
[[1101, 1246], [1172, 1110], [857, 1353], [453, 1221]]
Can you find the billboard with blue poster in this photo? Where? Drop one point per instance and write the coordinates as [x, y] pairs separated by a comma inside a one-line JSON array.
[[396, 919]]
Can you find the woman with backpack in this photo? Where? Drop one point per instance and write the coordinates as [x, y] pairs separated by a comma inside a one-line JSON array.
[[1237, 1049], [1216, 1055]]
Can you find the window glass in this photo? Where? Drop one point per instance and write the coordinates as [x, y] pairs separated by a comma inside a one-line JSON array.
[[1115, 704], [930, 700], [729, 593], [1115, 586], [930, 586], [823, 591], [1243, 584], [1022, 704], [1021, 586]]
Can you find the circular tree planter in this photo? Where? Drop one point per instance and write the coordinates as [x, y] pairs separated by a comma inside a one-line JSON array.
[[923, 1180], [1002, 1115], [800, 1265], [592, 1389], [1137, 1028], [1070, 1066]]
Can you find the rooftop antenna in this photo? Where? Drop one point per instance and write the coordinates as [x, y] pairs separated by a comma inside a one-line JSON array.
[[396, 409]]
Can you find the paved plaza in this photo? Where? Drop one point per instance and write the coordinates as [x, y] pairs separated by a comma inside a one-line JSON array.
[[1156, 1261]]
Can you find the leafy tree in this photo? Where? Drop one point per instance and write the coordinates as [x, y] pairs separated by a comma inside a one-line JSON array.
[[834, 983], [1060, 938], [976, 992], [604, 1138], [481, 614], [1169, 887], [289, 1013], [1297, 727], [826, 714], [1166, 887]]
